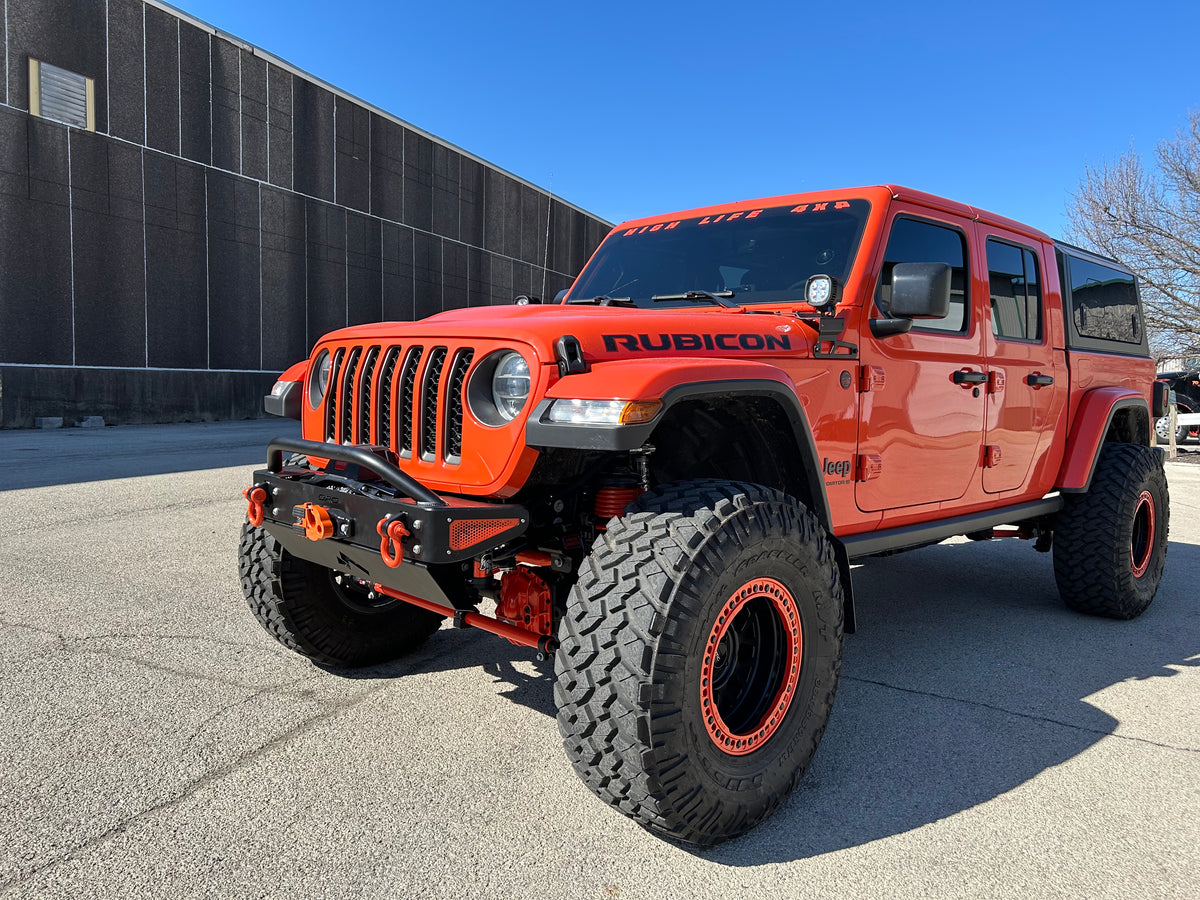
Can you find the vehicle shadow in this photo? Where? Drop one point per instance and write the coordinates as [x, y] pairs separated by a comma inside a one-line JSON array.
[[966, 679]]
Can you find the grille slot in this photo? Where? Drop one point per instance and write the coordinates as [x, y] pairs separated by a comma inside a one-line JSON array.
[[365, 406], [387, 374], [346, 400], [454, 404], [404, 405], [331, 393], [431, 386]]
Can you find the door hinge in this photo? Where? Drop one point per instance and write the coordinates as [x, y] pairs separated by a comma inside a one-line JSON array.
[[871, 378], [991, 456], [995, 381]]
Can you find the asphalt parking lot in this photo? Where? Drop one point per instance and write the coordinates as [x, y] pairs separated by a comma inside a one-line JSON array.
[[155, 742]]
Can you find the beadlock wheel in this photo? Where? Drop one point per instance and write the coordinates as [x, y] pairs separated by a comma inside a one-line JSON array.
[[1110, 543], [751, 666], [698, 657]]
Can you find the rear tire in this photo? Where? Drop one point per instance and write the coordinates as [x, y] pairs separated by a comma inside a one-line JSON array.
[[1110, 544], [699, 657], [301, 605]]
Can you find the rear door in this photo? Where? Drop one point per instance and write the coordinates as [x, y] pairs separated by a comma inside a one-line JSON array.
[[1023, 367], [923, 401]]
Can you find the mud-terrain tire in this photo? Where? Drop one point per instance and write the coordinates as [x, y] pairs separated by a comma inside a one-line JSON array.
[[1110, 543], [703, 597], [302, 607]]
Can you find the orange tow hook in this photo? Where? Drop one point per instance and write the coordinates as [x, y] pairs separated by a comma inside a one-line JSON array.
[[257, 497], [390, 547], [317, 522]]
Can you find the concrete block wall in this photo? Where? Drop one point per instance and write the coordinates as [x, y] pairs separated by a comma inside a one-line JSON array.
[[228, 210]]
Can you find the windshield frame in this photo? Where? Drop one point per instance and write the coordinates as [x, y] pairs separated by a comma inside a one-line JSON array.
[[771, 248]]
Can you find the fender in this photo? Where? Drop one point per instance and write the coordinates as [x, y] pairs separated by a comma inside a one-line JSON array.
[[1095, 414], [284, 399], [679, 381], [684, 380]]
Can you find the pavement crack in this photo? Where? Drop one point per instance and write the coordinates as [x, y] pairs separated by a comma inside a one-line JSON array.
[[332, 710], [1023, 715]]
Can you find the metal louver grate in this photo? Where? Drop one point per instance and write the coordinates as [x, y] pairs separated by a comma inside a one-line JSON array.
[[62, 96]]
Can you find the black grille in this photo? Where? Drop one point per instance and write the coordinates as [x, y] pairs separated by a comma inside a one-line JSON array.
[[408, 381], [330, 392], [386, 377], [400, 397], [431, 386], [346, 432], [454, 403], [365, 406]]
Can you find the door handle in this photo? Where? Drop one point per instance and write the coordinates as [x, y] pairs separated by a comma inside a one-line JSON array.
[[963, 377], [1038, 381]]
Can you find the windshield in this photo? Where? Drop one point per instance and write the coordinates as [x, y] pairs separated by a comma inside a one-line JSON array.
[[754, 256]]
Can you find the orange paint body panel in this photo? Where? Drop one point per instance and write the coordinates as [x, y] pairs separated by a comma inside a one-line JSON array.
[[912, 427]]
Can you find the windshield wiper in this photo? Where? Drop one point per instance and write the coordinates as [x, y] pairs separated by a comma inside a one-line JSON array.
[[719, 297], [604, 300]]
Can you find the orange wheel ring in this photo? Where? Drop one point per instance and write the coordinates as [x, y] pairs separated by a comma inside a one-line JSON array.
[[1141, 544], [751, 666]]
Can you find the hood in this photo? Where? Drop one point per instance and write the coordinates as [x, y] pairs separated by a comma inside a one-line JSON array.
[[608, 332]]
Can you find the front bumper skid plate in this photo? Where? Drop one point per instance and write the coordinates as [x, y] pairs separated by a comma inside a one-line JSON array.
[[359, 488]]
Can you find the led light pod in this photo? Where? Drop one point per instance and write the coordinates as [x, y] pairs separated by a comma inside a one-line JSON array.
[[821, 291]]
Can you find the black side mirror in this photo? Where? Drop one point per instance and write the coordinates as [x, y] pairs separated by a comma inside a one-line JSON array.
[[921, 290], [560, 296]]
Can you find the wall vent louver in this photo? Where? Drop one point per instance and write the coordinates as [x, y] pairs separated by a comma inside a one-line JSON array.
[[62, 96]]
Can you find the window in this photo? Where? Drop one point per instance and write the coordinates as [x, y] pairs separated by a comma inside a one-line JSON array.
[[1104, 303], [62, 96], [1015, 289], [915, 240], [757, 256]]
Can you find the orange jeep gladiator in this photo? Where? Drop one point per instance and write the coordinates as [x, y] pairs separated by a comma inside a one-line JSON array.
[[661, 480]]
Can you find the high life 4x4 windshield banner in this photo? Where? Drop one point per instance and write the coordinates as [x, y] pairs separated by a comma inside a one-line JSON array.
[[762, 255]]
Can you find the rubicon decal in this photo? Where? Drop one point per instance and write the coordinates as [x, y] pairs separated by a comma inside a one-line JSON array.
[[651, 342]]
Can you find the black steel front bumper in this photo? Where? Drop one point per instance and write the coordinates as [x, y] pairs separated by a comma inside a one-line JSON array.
[[363, 493]]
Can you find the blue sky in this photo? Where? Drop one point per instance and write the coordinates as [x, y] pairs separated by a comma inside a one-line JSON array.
[[631, 109]]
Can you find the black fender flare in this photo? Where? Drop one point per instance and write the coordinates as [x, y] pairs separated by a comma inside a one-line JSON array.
[[541, 433]]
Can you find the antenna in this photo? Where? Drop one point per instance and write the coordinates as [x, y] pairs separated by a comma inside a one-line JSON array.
[[546, 254]]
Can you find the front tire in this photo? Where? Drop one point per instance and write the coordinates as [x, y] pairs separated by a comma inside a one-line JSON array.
[[303, 606], [699, 657], [1110, 543]]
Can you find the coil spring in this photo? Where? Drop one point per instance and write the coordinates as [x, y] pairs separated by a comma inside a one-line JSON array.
[[611, 501]]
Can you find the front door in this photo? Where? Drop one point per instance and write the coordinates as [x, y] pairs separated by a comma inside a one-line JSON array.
[[921, 429]]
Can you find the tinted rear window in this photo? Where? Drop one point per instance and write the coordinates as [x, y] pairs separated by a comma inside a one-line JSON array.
[[1104, 302]]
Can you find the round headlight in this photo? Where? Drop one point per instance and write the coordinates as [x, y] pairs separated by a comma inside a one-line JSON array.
[[510, 384], [318, 379]]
